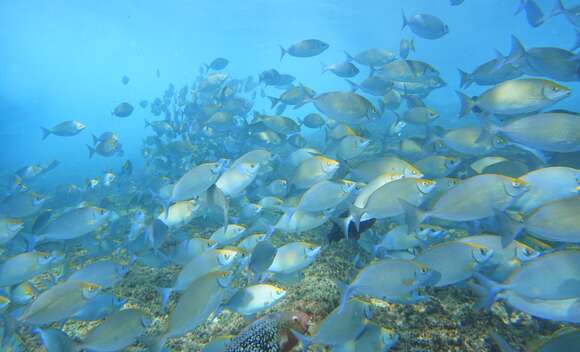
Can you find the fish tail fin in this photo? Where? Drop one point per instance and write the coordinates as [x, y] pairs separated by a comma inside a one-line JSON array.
[[353, 86], [91, 151], [269, 232], [147, 124], [356, 213], [45, 133], [467, 104], [500, 59], [412, 44], [288, 210], [488, 292], [165, 294], [508, 228], [62, 337], [345, 226], [465, 79], [95, 139], [282, 52], [273, 102], [517, 51], [346, 292], [324, 68], [31, 241], [487, 129], [349, 57], [405, 23], [413, 215]]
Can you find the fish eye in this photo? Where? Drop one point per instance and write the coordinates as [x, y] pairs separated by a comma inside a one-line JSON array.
[[555, 89]]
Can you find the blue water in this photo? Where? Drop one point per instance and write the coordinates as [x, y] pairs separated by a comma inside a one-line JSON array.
[[64, 59]]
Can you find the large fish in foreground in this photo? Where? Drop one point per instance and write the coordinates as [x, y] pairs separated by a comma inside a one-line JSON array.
[[520, 96], [474, 198]]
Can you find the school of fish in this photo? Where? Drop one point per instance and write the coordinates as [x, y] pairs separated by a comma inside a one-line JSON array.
[[504, 171]]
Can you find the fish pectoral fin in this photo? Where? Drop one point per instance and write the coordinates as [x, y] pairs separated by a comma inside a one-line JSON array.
[[409, 282]]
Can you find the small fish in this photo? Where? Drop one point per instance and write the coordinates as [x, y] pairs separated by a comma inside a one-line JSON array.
[[191, 248], [194, 307], [404, 279], [237, 178], [104, 273], [59, 302], [373, 57], [343, 324], [217, 64], [425, 26], [75, 223], [335, 104], [313, 170], [228, 235], [117, 331], [23, 267], [407, 71], [305, 48], [64, 129], [553, 221], [553, 270], [455, 261], [342, 69], [254, 299], [505, 260], [293, 257], [180, 213], [371, 169], [123, 110]]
